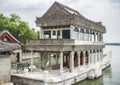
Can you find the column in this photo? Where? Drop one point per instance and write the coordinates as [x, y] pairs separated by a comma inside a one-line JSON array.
[[94, 37], [92, 57], [72, 61], [31, 57], [51, 34], [90, 36], [78, 58], [101, 54], [84, 58], [78, 35], [60, 34], [42, 33], [98, 37], [49, 57], [61, 62], [84, 35], [89, 57], [56, 34], [101, 37], [96, 57], [39, 60]]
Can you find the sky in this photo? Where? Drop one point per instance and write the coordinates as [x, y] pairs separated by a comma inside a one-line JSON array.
[[107, 11]]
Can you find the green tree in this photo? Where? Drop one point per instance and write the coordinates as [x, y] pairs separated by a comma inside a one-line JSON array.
[[17, 27]]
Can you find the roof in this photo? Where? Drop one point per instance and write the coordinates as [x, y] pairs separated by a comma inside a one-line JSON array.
[[4, 46], [59, 14], [6, 31], [11, 36]]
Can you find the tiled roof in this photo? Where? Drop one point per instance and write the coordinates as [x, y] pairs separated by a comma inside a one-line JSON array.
[[59, 14], [8, 46], [6, 31]]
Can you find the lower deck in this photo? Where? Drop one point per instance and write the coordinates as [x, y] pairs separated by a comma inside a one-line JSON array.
[[54, 77]]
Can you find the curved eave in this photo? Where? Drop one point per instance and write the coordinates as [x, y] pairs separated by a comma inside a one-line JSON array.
[[70, 21]]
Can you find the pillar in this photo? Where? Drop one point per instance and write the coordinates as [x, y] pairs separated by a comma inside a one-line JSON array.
[[94, 37], [39, 60], [101, 54], [51, 34], [96, 56], [84, 58], [84, 35], [60, 34], [98, 59], [61, 62], [90, 36], [49, 57], [31, 57], [101, 37], [92, 57], [78, 53], [42, 34], [72, 61], [89, 57]]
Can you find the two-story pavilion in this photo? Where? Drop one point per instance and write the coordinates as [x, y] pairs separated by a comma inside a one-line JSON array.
[[67, 39]]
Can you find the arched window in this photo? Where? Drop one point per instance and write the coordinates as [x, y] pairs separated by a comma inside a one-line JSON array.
[[76, 29], [90, 31], [82, 30], [87, 32]]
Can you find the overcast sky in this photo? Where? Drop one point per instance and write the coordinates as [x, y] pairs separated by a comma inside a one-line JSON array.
[[107, 11]]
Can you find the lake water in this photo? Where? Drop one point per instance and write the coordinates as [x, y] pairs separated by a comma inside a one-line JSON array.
[[111, 75]]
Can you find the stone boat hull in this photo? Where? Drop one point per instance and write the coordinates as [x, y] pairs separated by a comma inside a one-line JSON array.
[[79, 74]]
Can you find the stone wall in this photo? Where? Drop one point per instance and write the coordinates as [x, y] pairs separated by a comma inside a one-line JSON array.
[[24, 81], [4, 68], [18, 80]]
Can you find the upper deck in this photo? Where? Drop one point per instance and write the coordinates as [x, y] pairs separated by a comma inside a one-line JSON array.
[[60, 44]]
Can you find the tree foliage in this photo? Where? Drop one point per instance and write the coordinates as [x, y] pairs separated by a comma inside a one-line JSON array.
[[17, 27]]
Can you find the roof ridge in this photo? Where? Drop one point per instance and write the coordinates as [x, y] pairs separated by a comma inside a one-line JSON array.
[[79, 14]]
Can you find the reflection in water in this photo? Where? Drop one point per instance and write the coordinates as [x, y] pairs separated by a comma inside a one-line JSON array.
[[99, 81], [111, 75]]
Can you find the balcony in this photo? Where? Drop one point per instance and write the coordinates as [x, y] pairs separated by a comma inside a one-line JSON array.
[[61, 42], [51, 42], [78, 42], [58, 44]]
